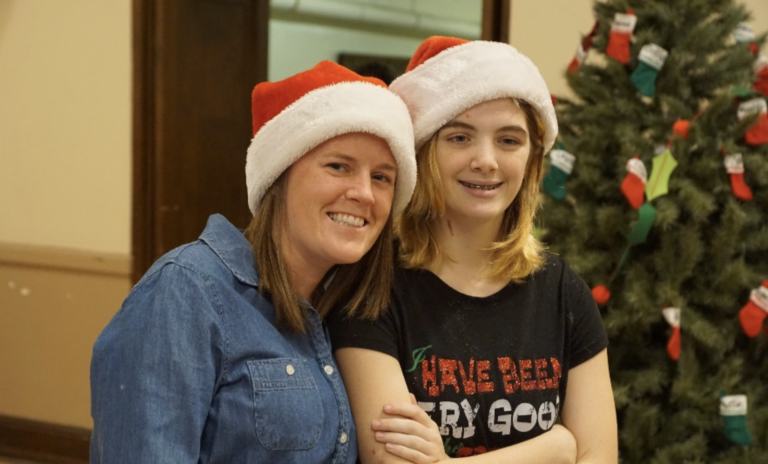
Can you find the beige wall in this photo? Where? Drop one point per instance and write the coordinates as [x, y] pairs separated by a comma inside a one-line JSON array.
[[65, 88], [53, 305], [65, 114], [549, 31]]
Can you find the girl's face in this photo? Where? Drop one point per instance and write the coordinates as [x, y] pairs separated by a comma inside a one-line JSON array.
[[481, 157], [338, 199]]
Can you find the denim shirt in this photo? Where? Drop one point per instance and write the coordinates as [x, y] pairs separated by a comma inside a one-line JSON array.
[[193, 370]]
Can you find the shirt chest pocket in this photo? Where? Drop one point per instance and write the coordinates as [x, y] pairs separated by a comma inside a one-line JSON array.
[[286, 401]]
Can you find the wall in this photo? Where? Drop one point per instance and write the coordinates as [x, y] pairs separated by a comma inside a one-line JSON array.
[[65, 190], [294, 47], [53, 305], [65, 83]]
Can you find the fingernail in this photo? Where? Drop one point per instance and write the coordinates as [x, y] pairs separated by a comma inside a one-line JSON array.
[[375, 424], [379, 435], [387, 407]]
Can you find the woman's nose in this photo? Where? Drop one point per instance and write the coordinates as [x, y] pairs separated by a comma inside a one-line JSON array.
[[361, 189]]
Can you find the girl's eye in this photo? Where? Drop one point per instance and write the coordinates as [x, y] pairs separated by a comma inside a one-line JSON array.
[[459, 138], [509, 141]]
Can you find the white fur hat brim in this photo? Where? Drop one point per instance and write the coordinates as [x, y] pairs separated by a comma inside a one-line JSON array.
[[321, 115], [460, 77]]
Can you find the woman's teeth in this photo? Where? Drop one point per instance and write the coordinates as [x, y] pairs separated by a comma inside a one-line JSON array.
[[480, 187], [347, 219]]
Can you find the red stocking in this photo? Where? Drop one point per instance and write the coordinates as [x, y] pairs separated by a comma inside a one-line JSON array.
[[633, 185], [621, 34], [753, 313], [672, 315], [735, 167], [758, 133]]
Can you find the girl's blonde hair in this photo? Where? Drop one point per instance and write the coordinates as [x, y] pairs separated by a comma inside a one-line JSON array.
[[517, 253]]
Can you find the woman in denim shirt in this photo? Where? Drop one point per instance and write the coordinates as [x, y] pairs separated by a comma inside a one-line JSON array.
[[219, 353]]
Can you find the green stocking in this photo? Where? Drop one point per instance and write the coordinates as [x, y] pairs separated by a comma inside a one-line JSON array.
[[651, 60], [554, 180], [733, 408]]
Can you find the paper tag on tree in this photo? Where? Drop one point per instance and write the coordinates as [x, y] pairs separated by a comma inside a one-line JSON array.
[[672, 316], [749, 107], [653, 55], [563, 160], [624, 23], [744, 33], [636, 167], [734, 164], [759, 296], [733, 405]]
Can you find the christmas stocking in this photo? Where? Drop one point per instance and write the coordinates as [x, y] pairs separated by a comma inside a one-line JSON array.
[[672, 315], [644, 76], [581, 53], [554, 180], [735, 167], [633, 185], [753, 313], [733, 409], [761, 75], [757, 134], [621, 34]]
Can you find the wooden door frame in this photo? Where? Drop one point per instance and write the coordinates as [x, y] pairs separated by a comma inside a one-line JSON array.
[[497, 15], [143, 214]]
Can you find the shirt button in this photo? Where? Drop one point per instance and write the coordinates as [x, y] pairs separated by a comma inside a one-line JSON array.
[[329, 369], [289, 369], [343, 438]]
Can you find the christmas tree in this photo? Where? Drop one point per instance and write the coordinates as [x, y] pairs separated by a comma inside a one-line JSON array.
[[657, 195]]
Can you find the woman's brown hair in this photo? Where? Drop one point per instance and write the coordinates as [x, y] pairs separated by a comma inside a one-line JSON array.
[[517, 253], [359, 287]]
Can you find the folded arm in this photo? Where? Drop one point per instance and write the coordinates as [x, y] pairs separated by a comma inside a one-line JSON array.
[[589, 411], [374, 379]]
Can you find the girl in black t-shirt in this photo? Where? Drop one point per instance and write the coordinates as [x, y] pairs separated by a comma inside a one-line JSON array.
[[500, 344]]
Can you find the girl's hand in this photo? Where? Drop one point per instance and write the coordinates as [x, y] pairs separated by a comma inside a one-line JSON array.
[[410, 434]]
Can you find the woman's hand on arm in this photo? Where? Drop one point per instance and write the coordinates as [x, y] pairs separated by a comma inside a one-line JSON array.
[[373, 380], [589, 411]]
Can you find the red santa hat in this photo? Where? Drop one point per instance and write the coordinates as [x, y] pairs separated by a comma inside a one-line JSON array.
[[292, 116], [447, 76]]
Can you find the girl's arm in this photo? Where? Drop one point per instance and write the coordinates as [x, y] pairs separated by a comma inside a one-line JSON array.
[[374, 379], [589, 411]]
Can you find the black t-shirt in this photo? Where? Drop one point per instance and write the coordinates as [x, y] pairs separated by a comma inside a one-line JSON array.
[[491, 371]]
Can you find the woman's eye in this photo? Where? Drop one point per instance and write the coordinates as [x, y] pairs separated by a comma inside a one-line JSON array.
[[335, 166], [382, 178]]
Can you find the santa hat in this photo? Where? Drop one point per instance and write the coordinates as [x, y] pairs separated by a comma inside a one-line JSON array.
[[447, 76], [292, 116]]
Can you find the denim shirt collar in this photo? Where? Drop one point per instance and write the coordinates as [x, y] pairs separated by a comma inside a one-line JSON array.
[[231, 246]]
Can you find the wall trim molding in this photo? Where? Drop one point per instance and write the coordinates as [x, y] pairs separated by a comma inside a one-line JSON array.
[[43, 441], [64, 259]]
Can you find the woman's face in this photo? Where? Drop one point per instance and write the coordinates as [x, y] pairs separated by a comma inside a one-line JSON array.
[[481, 157], [338, 199]]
